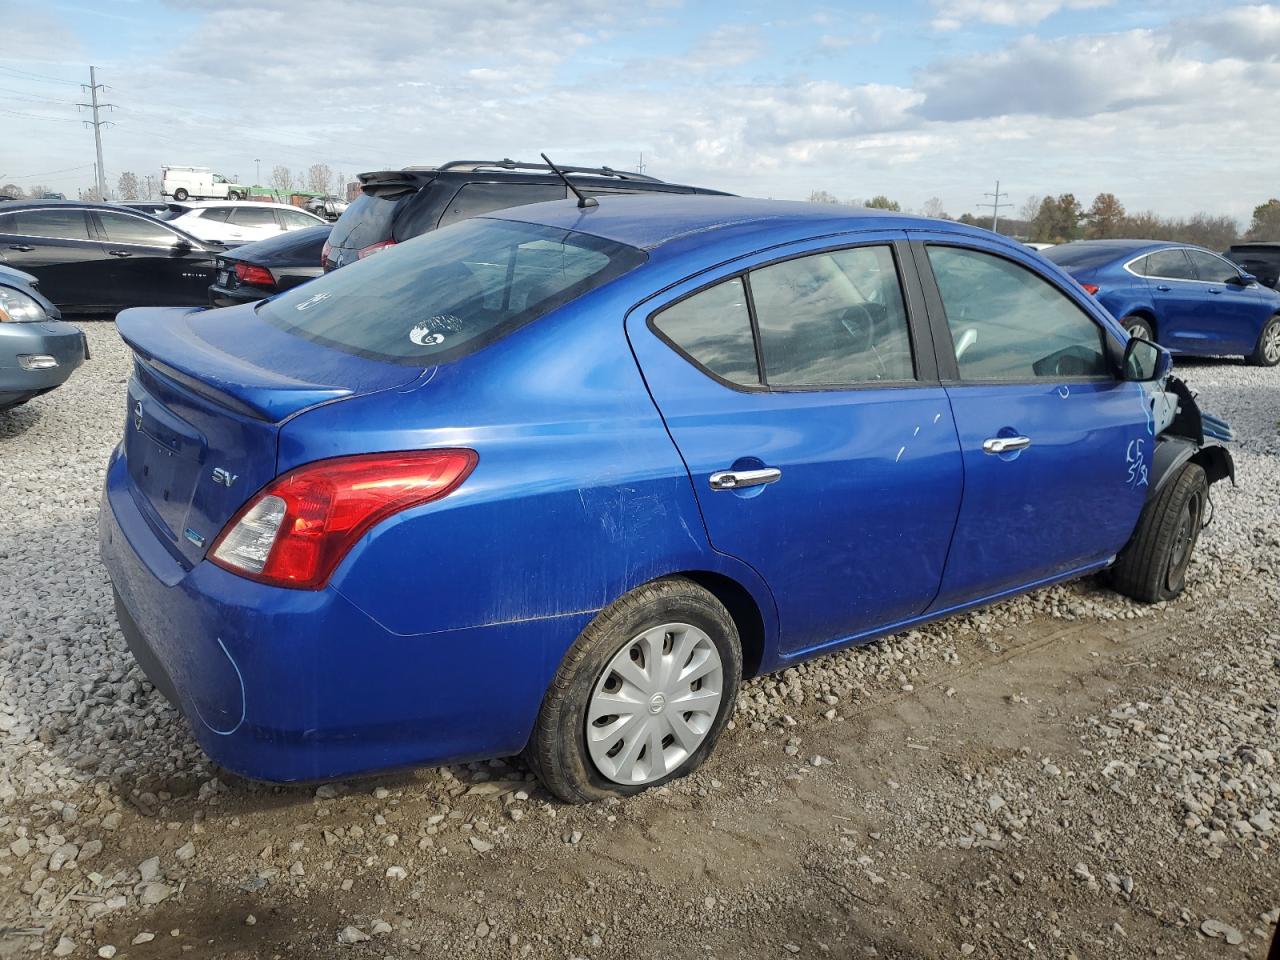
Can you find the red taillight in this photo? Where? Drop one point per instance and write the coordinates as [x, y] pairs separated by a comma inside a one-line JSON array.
[[1090, 288], [324, 253], [258, 276], [373, 248], [296, 530]]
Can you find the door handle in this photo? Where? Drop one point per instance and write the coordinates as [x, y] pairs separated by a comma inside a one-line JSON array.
[[1005, 444], [1164, 288], [737, 479], [1215, 292], [120, 253], [23, 247]]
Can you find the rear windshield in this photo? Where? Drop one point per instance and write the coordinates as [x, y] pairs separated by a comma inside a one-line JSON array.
[[367, 221], [449, 292], [1082, 256]]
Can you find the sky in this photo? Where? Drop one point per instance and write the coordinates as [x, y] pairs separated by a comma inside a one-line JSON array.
[[1167, 105]]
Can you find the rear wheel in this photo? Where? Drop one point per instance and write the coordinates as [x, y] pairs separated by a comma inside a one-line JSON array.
[[1153, 565], [642, 695], [180, 194], [1139, 327], [1267, 352]]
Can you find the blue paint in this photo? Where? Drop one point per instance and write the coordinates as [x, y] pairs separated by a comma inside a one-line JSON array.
[[438, 634]]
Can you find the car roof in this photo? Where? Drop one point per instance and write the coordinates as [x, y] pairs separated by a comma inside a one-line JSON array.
[[1255, 245], [197, 204], [651, 220]]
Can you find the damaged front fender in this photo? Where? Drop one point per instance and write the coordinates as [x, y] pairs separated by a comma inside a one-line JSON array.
[[1188, 436]]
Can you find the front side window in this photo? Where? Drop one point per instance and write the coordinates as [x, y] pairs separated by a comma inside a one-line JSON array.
[[713, 328], [1007, 323], [122, 228], [1212, 269], [52, 224], [1170, 265], [449, 292], [832, 319], [475, 199], [215, 214]]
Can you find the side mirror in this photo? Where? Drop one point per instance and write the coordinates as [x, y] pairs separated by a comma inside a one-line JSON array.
[[1243, 280], [1145, 361]]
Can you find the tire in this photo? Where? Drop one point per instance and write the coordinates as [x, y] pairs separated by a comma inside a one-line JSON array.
[[1139, 327], [235, 195], [559, 751], [1267, 351], [180, 194], [1153, 565]]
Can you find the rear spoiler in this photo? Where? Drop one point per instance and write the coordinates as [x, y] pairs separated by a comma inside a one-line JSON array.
[[390, 184]]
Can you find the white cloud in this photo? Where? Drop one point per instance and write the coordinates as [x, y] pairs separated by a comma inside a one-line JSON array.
[[954, 14]]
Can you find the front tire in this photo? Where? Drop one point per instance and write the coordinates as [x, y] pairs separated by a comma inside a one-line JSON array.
[[642, 695], [1139, 327], [1267, 352], [1153, 564]]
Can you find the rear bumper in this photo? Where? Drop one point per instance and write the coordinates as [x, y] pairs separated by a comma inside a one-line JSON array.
[[288, 685], [62, 341]]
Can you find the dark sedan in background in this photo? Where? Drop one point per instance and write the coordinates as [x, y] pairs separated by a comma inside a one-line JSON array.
[[99, 257], [38, 351], [267, 267], [1187, 298], [1260, 258]]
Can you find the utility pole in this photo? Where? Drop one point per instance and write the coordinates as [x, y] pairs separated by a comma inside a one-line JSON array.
[[996, 205], [93, 87], [641, 169], [257, 176]]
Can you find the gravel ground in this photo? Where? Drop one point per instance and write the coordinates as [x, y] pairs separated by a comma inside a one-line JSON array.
[[1065, 774]]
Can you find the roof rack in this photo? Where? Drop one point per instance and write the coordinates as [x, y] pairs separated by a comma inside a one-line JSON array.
[[509, 164]]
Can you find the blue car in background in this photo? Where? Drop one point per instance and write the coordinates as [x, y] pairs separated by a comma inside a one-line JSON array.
[[38, 350], [1190, 299], [555, 479]]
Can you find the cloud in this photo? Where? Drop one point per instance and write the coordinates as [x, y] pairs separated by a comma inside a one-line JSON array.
[[954, 14], [1247, 33]]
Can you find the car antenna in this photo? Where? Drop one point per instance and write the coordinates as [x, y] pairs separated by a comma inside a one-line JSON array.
[[583, 201]]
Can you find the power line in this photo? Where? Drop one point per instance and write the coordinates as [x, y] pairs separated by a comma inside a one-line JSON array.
[[32, 116], [47, 173], [28, 75], [94, 86], [27, 95]]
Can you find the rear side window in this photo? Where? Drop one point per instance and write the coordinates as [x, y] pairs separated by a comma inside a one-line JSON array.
[[1007, 323], [54, 224], [252, 217], [832, 319], [713, 328], [1169, 264], [475, 199], [450, 292], [295, 219]]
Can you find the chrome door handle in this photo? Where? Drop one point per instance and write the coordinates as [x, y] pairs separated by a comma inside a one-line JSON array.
[[1005, 444], [21, 247], [736, 479], [120, 253], [1164, 288]]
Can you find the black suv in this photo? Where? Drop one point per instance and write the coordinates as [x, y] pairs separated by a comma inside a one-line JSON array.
[[1262, 259], [397, 205]]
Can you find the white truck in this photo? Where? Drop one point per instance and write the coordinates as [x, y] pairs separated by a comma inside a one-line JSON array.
[[200, 183]]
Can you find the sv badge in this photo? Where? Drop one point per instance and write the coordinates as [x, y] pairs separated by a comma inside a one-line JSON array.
[[224, 476]]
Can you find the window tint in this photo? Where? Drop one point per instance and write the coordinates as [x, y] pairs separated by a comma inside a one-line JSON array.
[[713, 327], [475, 199], [832, 318], [295, 219], [1170, 264], [55, 224], [1009, 324], [252, 217], [1212, 269], [449, 292], [122, 228], [216, 214]]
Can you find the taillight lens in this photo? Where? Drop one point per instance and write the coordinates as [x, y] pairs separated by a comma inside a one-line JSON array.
[[373, 248], [296, 531], [324, 252], [255, 275], [1090, 288]]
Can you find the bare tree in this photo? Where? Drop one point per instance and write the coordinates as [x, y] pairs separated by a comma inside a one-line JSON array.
[[37, 190], [281, 178], [821, 196], [11, 190], [319, 178], [933, 208], [150, 187], [128, 185], [1031, 207]]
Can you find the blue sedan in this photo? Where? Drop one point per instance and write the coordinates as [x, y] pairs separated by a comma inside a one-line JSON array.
[[554, 480], [1190, 299]]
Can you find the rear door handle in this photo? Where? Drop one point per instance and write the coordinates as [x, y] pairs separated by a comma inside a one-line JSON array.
[[120, 253], [737, 479], [24, 247], [1005, 444], [1214, 292], [1164, 288]]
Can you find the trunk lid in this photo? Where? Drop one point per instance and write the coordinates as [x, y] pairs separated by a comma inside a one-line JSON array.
[[209, 392]]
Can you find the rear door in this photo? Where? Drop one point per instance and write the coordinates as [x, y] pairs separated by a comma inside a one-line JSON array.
[[1177, 297], [1056, 449], [57, 247], [150, 264], [1233, 313], [253, 223], [805, 404]]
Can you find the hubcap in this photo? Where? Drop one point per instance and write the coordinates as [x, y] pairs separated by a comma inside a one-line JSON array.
[[1271, 344], [1137, 330], [654, 703]]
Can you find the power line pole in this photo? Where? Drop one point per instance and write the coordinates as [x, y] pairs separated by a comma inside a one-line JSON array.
[[641, 168], [996, 205], [93, 87]]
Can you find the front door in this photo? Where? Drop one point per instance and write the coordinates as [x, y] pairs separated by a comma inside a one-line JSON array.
[[1056, 448], [150, 264], [1233, 314], [818, 440]]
